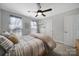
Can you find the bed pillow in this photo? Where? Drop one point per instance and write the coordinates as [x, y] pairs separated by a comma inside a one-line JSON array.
[[5, 43], [12, 37]]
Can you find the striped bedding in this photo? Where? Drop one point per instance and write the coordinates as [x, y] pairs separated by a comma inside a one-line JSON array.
[[25, 47], [5, 43], [31, 45]]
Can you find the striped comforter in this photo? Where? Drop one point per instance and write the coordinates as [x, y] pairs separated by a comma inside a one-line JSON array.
[[27, 46], [31, 46]]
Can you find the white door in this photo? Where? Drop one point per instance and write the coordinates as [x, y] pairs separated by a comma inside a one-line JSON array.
[[69, 30]]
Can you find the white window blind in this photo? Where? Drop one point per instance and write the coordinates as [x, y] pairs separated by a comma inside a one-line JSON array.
[[15, 24]]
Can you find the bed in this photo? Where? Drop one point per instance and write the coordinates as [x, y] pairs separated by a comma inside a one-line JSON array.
[[34, 44]]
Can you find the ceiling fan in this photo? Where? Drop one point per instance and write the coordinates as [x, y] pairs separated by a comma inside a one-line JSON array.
[[41, 12]]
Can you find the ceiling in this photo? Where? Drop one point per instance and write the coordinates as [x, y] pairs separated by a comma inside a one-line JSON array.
[[23, 8]]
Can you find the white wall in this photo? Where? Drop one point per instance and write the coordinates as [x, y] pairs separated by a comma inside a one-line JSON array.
[[76, 27], [5, 21], [58, 28], [54, 27], [46, 26], [0, 21]]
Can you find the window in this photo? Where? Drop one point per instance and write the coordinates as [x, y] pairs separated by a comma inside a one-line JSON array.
[[15, 24], [33, 26]]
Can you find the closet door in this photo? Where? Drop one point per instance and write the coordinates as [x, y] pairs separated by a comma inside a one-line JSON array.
[[69, 30]]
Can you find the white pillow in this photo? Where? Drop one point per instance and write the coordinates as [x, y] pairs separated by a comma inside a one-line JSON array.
[[5, 43]]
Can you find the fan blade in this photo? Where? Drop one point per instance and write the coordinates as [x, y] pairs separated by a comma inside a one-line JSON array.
[[32, 11], [36, 15], [47, 10], [43, 14]]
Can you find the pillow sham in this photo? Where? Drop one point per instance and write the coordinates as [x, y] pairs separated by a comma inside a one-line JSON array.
[[12, 37]]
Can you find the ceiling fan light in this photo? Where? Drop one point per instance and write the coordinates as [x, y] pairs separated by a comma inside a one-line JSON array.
[[39, 13]]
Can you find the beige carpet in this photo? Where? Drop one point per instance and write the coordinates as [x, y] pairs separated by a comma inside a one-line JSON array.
[[63, 50]]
